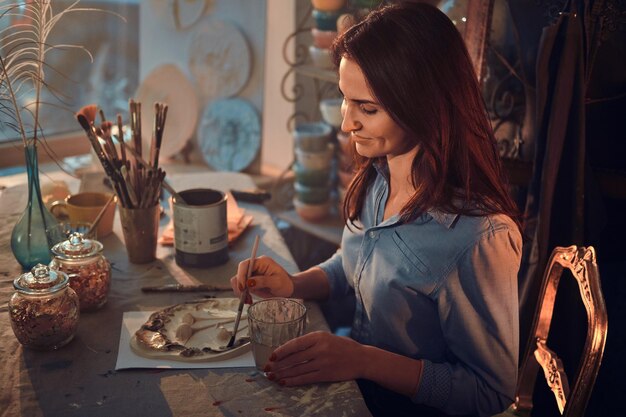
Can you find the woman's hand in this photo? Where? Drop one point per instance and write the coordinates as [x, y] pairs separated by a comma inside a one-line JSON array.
[[316, 357], [268, 279]]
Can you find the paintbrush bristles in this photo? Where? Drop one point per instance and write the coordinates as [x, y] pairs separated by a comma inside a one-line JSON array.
[[160, 115], [137, 184], [90, 112]]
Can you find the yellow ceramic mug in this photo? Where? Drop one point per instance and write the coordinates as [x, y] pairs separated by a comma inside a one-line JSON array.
[[84, 207]]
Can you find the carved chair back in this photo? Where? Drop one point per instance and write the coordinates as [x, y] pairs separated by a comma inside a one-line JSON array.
[[571, 396]]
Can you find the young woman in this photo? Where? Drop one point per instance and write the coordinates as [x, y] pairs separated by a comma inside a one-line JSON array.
[[431, 247]]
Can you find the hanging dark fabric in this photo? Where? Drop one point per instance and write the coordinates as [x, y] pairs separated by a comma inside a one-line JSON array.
[[556, 192]]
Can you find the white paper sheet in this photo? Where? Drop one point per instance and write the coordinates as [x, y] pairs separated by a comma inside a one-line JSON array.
[[127, 359]]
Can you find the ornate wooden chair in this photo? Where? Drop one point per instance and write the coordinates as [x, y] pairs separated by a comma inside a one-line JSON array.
[[571, 396]]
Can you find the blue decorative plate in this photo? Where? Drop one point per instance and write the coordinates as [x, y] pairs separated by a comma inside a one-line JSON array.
[[229, 134]]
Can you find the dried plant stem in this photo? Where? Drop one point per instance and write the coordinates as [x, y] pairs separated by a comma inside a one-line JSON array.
[[9, 86]]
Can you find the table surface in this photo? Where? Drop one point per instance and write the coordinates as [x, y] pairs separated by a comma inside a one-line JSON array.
[[79, 379], [329, 229]]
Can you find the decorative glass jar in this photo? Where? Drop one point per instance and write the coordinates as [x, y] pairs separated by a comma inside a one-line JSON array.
[[44, 310], [89, 271]]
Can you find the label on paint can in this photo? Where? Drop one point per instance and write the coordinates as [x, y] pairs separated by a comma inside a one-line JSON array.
[[200, 224]]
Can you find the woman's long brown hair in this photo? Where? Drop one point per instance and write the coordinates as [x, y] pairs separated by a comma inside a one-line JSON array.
[[418, 68]]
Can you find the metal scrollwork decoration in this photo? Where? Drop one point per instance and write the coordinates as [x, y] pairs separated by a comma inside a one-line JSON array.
[[301, 54], [322, 81], [486, 29], [504, 85]]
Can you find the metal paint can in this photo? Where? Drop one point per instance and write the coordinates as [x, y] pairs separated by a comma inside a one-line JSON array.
[[200, 228]]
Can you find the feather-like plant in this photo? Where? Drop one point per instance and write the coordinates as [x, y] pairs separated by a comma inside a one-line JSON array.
[[23, 49]]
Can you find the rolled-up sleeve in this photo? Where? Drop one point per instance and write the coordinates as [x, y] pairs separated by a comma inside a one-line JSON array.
[[333, 267], [478, 308]]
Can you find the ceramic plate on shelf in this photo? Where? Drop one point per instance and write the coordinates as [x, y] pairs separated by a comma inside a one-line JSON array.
[[193, 332], [219, 59], [169, 85], [229, 134], [186, 13]]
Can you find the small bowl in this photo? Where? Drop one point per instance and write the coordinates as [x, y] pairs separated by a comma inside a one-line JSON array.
[[331, 111], [346, 161], [345, 144], [341, 193], [345, 177], [312, 137], [316, 160], [311, 195], [326, 20], [365, 4], [311, 177], [328, 5], [323, 38], [320, 57], [345, 22], [312, 212]]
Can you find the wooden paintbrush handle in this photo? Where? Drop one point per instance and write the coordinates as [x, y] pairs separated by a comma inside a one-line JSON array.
[[164, 183]]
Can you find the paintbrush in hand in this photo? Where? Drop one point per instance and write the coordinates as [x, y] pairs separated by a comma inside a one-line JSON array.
[[244, 293]]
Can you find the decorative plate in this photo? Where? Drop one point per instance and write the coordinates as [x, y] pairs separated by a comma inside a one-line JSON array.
[[168, 84], [193, 332], [229, 134], [187, 12], [219, 59]]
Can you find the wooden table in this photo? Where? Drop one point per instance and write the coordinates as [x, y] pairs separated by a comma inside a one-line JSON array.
[[79, 379], [329, 229]]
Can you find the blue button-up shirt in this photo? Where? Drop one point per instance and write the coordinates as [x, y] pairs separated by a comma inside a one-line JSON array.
[[442, 289]]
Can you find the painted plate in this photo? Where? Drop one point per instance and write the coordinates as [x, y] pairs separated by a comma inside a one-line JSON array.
[[193, 332], [219, 59], [168, 84], [186, 13], [229, 134]]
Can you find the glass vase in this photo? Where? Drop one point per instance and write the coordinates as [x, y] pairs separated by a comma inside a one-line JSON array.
[[29, 240]]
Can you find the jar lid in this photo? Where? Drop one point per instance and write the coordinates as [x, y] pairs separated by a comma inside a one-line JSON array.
[[76, 247], [41, 280]]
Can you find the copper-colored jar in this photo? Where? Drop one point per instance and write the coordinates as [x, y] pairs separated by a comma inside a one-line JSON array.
[[44, 310], [89, 271]]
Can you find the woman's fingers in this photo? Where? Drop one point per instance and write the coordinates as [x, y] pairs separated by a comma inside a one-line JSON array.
[[268, 279], [234, 285], [242, 271], [295, 346], [315, 357], [301, 378]]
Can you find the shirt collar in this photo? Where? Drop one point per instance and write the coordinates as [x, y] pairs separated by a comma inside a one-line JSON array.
[[445, 219]]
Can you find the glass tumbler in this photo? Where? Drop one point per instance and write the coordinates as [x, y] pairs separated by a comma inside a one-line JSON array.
[[272, 322]]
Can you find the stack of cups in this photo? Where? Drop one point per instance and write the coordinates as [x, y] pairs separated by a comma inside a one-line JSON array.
[[313, 168], [345, 170], [325, 14], [330, 108]]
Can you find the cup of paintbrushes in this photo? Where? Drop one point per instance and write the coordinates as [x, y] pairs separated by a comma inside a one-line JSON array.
[[140, 227]]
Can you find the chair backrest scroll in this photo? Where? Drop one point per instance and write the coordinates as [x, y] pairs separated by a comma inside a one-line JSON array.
[[572, 397]]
